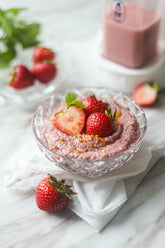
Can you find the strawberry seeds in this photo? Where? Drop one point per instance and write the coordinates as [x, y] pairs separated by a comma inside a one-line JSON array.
[[89, 116]]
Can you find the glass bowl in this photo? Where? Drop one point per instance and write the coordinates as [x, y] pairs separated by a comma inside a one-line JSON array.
[[88, 168]]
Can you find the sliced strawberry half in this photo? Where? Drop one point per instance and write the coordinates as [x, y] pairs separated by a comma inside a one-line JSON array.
[[70, 121], [145, 94]]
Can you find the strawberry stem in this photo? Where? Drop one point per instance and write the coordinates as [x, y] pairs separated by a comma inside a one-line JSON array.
[[111, 115], [154, 85], [12, 75], [61, 187]]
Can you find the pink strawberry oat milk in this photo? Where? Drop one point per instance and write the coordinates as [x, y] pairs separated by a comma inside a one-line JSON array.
[[132, 42]]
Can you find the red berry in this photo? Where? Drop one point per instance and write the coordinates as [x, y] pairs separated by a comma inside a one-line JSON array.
[[92, 105], [70, 121], [21, 77], [44, 72], [52, 195], [42, 54], [145, 94], [99, 124]]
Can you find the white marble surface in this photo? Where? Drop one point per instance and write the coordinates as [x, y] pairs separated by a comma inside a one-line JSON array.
[[71, 25]]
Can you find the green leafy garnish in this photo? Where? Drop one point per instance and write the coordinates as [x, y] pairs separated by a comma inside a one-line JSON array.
[[111, 115], [155, 86], [14, 32], [71, 100]]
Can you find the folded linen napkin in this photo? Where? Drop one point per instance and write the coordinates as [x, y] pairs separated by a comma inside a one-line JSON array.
[[97, 200]]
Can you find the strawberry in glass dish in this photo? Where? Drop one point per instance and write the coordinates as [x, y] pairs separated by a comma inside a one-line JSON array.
[[71, 120], [75, 116], [99, 124], [53, 195], [93, 105], [21, 77], [44, 72], [42, 54]]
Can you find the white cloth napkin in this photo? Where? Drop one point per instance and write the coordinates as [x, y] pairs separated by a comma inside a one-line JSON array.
[[97, 200]]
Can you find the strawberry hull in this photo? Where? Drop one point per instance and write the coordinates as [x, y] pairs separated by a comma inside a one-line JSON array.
[[125, 133]]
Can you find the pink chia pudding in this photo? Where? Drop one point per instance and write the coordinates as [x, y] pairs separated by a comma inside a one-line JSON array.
[[84, 146]]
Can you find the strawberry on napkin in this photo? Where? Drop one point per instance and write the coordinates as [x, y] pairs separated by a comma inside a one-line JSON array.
[[97, 200]]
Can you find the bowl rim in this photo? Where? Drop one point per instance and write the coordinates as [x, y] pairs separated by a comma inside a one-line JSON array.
[[133, 148]]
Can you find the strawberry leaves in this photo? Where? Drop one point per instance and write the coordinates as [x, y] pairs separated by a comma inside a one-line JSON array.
[[71, 100], [111, 115], [61, 187]]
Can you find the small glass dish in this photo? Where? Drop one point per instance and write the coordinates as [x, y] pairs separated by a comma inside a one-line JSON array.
[[32, 93], [88, 168]]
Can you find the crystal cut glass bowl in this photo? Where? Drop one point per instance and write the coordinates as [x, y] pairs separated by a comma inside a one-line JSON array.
[[88, 167]]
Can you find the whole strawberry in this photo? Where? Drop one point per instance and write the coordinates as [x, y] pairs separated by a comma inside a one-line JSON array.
[[92, 105], [53, 195], [44, 72], [21, 77], [99, 124], [42, 54]]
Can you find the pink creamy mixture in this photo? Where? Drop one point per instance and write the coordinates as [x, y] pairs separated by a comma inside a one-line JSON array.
[[126, 132]]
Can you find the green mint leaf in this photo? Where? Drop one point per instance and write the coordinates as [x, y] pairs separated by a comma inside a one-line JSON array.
[[6, 25], [71, 100], [7, 55], [15, 31], [15, 11], [27, 34], [78, 104]]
